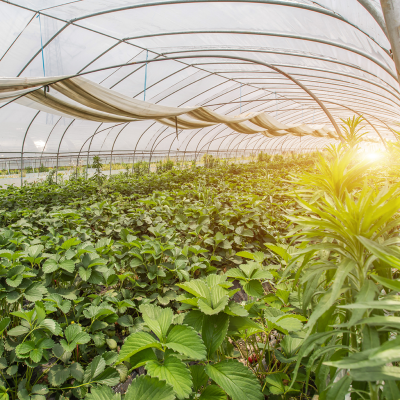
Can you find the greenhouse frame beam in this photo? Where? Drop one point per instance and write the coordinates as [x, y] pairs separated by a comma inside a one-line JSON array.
[[331, 71], [23, 145], [378, 17], [311, 78], [252, 61], [272, 2], [273, 34], [311, 94], [391, 12], [329, 89], [286, 53]]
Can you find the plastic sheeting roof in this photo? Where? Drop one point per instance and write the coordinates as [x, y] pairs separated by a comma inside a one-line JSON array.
[[333, 47]]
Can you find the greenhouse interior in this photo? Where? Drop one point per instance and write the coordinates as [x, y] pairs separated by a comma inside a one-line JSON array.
[[200, 200]]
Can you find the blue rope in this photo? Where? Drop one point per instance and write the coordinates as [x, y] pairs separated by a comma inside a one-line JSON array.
[[41, 42], [145, 77]]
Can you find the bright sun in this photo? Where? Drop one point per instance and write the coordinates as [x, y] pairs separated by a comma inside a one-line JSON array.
[[372, 155]]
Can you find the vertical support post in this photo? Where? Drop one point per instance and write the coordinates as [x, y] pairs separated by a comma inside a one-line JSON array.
[[41, 43], [22, 148], [391, 12]]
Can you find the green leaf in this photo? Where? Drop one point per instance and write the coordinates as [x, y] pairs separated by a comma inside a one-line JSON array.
[[194, 319], [235, 309], [50, 266], [102, 393], [35, 292], [215, 328], [157, 319], [199, 376], [36, 355], [213, 392], [275, 384], [327, 300], [18, 331], [196, 287], [235, 273], [391, 391], [136, 342], [67, 265], [390, 305], [58, 375], [95, 368], [146, 388], [174, 372], [289, 324], [389, 283], [76, 371], [3, 393], [25, 347], [51, 325], [240, 325], [4, 324], [237, 380], [141, 358], [184, 339], [384, 253], [215, 303], [279, 251], [85, 273], [40, 389], [254, 289], [109, 377], [245, 254], [374, 374], [339, 389]]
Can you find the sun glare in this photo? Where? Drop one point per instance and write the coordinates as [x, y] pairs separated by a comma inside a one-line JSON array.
[[372, 155]]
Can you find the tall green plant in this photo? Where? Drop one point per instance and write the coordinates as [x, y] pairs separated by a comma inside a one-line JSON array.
[[352, 131], [337, 269]]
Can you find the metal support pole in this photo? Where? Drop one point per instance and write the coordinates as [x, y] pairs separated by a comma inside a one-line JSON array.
[[22, 149], [376, 14], [391, 12]]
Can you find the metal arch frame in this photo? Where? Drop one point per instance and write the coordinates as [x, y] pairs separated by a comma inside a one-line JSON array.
[[286, 110], [48, 137], [239, 137], [348, 108], [176, 58], [88, 153], [330, 71], [359, 114], [91, 136], [352, 86], [273, 141], [213, 56], [187, 100], [112, 148], [371, 103], [23, 145], [330, 90], [59, 145], [288, 141], [258, 137], [273, 2], [299, 98], [285, 53], [137, 6], [273, 34], [242, 140]]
